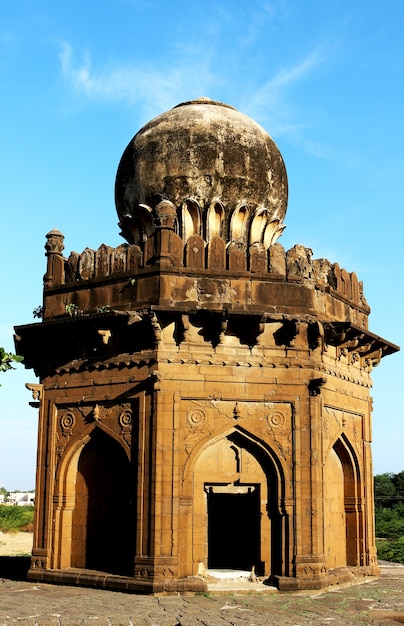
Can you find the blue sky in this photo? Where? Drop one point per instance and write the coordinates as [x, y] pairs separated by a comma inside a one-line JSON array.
[[324, 78]]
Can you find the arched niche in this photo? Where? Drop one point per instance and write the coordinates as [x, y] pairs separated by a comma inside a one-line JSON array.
[[273, 231], [239, 225], [139, 226], [258, 225], [191, 219], [145, 222], [214, 220]]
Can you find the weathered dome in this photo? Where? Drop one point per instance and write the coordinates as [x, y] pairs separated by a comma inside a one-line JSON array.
[[202, 153]]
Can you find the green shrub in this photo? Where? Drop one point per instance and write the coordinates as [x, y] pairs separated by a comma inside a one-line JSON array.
[[16, 518], [390, 522], [390, 549]]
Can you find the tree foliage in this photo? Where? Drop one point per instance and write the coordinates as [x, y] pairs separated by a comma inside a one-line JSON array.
[[7, 359], [4, 492], [389, 510]]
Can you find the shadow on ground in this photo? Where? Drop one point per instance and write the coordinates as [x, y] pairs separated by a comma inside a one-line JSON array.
[[14, 567]]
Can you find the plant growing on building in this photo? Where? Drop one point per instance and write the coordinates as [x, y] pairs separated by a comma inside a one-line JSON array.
[[72, 309], [38, 312]]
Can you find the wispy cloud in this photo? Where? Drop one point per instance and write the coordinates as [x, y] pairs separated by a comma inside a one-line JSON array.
[[141, 84], [261, 17], [273, 105], [272, 99], [154, 90]]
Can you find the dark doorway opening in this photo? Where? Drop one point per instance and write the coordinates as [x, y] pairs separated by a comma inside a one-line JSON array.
[[103, 520], [234, 528]]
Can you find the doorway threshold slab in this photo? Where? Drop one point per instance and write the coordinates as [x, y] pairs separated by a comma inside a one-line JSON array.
[[224, 581], [229, 573]]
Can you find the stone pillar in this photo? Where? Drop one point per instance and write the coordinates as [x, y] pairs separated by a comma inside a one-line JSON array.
[[169, 247], [44, 480], [311, 570], [367, 513]]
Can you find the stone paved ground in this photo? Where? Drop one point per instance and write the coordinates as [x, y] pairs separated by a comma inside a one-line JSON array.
[[376, 602]]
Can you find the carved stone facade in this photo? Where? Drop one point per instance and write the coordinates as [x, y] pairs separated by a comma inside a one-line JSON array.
[[205, 394]]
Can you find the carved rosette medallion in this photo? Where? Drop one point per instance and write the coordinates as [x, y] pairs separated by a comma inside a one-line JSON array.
[[125, 420], [278, 427], [67, 422], [327, 428], [196, 418], [276, 419]]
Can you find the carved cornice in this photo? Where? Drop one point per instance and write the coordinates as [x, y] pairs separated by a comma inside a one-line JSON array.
[[357, 343], [122, 360], [118, 338]]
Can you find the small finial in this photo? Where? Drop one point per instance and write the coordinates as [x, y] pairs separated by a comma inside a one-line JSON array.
[[54, 243]]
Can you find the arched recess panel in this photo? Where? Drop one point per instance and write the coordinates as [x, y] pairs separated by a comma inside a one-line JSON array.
[[349, 488], [334, 512], [103, 521], [237, 520]]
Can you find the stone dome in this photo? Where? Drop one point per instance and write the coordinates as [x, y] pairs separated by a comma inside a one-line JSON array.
[[198, 155]]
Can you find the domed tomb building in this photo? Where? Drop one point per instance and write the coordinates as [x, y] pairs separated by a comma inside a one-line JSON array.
[[204, 397]]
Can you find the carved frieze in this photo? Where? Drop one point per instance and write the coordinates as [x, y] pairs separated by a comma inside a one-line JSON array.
[[77, 421], [312, 570], [271, 421]]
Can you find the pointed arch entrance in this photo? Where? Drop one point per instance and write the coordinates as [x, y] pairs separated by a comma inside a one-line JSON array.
[[239, 521], [103, 529]]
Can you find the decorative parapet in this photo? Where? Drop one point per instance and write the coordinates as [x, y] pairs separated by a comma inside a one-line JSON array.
[[102, 263], [166, 250]]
